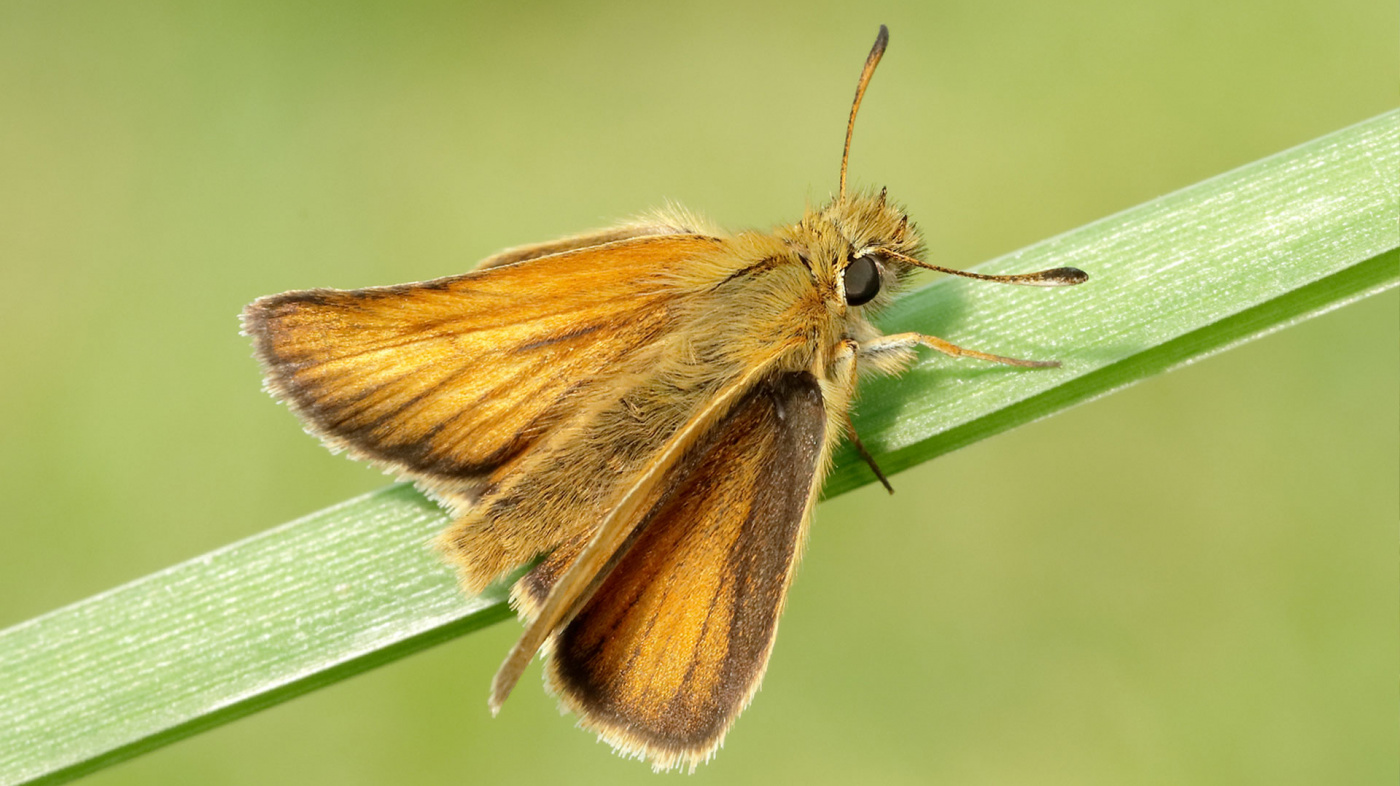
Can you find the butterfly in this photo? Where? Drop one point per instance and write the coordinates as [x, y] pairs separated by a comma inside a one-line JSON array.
[[647, 412]]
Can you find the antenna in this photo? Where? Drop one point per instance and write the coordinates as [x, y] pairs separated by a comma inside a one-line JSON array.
[[1057, 277], [882, 40]]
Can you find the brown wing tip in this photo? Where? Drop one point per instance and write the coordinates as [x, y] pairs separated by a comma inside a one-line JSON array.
[[250, 319], [258, 320], [264, 321], [253, 322], [256, 314]]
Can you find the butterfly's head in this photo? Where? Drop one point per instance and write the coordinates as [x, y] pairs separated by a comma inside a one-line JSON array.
[[864, 246]]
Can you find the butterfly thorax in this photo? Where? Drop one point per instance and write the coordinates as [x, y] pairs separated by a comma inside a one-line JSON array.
[[785, 291]]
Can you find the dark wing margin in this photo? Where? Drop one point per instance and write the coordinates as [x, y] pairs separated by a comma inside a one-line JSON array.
[[673, 644]]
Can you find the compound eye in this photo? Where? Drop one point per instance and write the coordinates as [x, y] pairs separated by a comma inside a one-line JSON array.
[[862, 279]]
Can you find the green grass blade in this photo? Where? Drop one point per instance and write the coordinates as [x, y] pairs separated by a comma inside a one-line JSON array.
[[354, 586]]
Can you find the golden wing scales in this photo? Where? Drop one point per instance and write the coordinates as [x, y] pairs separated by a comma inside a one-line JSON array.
[[443, 381], [673, 643]]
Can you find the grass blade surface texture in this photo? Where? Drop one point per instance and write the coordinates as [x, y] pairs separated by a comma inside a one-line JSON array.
[[357, 585]]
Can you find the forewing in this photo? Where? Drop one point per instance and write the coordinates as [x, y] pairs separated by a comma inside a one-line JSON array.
[[448, 379], [672, 645]]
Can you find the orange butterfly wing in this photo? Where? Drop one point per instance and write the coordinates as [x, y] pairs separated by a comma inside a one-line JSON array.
[[671, 646], [448, 379]]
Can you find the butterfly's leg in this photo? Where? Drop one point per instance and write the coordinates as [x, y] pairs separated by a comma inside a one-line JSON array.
[[896, 351], [844, 381], [889, 354]]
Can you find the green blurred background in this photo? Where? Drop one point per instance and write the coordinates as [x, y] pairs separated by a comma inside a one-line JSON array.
[[1214, 601]]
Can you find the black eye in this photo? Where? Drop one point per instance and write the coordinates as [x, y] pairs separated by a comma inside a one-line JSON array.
[[862, 279]]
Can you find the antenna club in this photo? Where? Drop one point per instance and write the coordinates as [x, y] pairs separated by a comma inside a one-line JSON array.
[[882, 40], [1066, 276]]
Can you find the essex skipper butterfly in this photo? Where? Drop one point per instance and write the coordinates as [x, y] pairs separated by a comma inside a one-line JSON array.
[[646, 410]]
